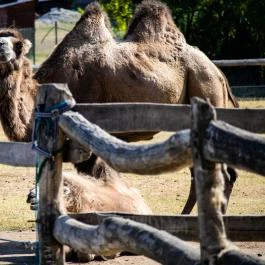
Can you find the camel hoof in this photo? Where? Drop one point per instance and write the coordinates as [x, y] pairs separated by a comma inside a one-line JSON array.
[[84, 257]]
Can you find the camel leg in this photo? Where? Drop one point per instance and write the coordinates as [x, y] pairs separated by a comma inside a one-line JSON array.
[[192, 196], [230, 176]]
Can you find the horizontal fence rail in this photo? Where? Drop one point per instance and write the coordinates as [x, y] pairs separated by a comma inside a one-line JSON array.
[[236, 147], [113, 234], [171, 154], [249, 91], [128, 117], [238, 228], [240, 62], [118, 118], [222, 63]]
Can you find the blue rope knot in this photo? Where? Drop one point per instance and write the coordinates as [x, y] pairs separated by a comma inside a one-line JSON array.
[[50, 115]]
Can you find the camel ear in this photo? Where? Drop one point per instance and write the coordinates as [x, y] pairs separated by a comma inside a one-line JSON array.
[[26, 46]]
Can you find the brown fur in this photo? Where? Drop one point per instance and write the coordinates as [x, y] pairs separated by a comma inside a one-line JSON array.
[[17, 91], [153, 63], [106, 191]]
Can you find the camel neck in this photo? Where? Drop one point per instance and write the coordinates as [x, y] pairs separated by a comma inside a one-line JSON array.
[[15, 112]]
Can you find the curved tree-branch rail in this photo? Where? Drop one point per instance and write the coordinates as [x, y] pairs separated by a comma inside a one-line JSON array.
[[169, 155], [116, 234]]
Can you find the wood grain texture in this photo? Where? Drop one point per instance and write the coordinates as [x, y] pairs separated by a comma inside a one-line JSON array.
[[51, 139], [116, 234], [21, 154], [169, 155], [17, 154], [209, 182], [236, 147], [238, 228], [143, 117], [240, 62]]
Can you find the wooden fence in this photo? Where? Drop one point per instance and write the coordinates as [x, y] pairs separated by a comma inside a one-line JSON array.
[[208, 143]]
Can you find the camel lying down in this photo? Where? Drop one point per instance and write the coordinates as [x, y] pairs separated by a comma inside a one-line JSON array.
[[105, 191]]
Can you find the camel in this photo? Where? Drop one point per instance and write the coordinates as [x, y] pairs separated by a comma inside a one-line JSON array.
[[103, 190], [153, 63]]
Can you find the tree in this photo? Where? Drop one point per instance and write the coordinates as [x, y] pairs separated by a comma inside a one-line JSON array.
[[120, 12]]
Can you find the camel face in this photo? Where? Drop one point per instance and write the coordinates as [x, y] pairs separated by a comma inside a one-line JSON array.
[[6, 50], [12, 47]]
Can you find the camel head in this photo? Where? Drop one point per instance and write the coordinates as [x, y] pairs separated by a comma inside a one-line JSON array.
[[13, 47]]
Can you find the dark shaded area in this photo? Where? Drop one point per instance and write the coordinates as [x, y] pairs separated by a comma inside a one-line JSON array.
[[16, 252]]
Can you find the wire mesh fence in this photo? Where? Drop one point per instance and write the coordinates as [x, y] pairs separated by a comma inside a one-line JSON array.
[[47, 36]]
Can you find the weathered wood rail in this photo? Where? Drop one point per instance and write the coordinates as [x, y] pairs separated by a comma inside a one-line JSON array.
[[114, 119], [114, 234], [221, 142], [240, 62]]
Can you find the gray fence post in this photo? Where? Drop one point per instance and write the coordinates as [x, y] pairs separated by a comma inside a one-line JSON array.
[[49, 141], [209, 187]]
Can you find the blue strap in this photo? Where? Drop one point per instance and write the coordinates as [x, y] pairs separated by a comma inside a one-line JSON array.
[[51, 113], [54, 111]]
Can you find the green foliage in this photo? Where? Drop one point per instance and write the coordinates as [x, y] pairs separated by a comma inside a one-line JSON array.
[[120, 12], [80, 10], [222, 28]]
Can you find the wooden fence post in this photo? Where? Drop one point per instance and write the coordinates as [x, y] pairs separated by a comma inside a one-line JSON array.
[[209, 187], [49, 141]]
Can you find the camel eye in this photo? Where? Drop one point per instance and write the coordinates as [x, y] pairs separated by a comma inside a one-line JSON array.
[[18, 46]]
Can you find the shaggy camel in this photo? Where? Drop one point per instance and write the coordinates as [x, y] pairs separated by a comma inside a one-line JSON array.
[[152, 64], [17, 102], [106, 191]]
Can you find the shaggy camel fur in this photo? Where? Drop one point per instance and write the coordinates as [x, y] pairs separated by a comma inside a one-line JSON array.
[[17, 102], [17, 86], [152, 64], [106, 191]]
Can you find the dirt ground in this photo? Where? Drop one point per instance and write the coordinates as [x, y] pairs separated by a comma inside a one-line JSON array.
[[17, 249]]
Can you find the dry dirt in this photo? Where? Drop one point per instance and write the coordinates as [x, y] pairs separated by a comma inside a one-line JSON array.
[[16, 248]]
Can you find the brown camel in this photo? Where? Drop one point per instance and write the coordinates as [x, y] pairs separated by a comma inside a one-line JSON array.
[[152, 64], [106, 191]]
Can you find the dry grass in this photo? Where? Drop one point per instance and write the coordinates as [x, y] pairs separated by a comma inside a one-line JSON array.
[[165, 193], [45, 38]]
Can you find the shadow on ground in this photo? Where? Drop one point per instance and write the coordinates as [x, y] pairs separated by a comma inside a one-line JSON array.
[[16, 252]]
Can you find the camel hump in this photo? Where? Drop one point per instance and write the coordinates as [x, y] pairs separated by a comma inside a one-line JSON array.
[[152, 21], [93, 9], [94, 12]]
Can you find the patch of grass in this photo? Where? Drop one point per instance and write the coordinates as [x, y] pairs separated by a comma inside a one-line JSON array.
[[248, 194], [15, 183], [252, 104], [15, 214], [165, 193], [45, 40]]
